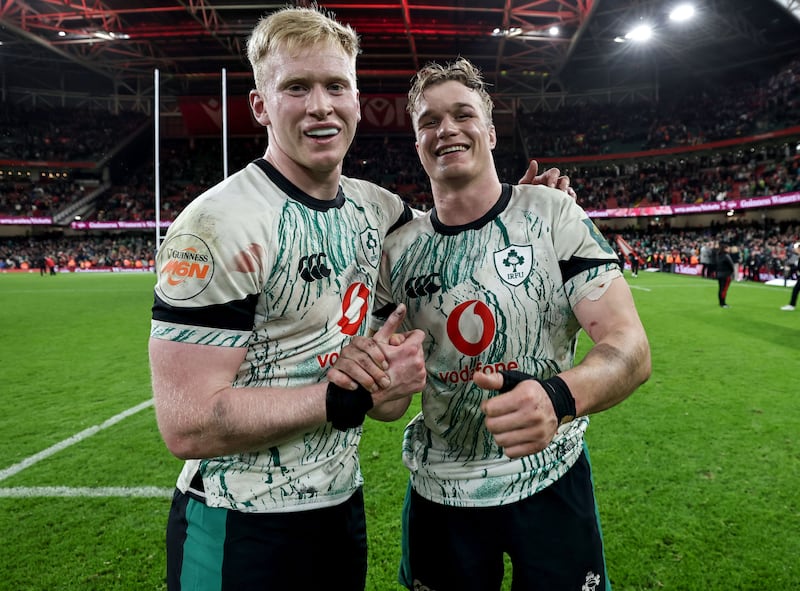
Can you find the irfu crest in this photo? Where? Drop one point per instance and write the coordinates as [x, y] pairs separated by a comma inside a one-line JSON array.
[[513, 264], [371, 246]]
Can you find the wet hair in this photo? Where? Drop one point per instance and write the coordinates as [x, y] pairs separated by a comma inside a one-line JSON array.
[[293, 29], [462, 70]]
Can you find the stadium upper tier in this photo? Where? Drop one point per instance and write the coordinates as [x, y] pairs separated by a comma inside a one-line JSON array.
[[52, 159]]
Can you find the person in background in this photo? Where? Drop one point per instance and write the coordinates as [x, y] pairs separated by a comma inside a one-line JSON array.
[[501, 278], [794, 262], [263, 281], [736, 257], [706, 260], [634, 264], [754, 262], [724, 270]]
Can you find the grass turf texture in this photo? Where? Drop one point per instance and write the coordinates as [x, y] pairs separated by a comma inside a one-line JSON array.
[[696, 475]]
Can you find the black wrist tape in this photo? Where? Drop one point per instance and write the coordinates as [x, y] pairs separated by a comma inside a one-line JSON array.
[[561, 397], [346, 409], [557, 390]]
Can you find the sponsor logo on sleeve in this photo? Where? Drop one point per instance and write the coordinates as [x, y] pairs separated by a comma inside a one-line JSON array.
[[185, 267], [598, 236]]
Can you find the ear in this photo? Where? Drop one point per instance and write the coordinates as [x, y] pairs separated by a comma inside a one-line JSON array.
[[492, 137], [258, 107], [358, 106]]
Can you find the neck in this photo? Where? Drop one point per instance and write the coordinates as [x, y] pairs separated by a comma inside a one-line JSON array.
[[323, 185], [457, 205]]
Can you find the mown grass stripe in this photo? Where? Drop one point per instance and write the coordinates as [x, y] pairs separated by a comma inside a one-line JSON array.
[[86, 492], [78, 437]]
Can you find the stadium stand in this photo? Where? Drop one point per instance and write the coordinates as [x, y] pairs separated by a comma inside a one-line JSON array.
[[55, 168]]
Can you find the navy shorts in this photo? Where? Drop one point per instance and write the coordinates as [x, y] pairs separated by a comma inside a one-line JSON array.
[[213, 549], [553, 539]]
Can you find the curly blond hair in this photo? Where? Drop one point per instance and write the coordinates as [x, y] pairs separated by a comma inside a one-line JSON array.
[[462, 70]]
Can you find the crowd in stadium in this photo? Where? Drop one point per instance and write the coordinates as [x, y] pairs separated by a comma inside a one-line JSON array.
[[690, 119], [61, 134], [123, 251], [190, 166], [761, 250]]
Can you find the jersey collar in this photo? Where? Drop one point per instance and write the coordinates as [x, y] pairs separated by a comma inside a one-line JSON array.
[[496, 210], [296, 193]]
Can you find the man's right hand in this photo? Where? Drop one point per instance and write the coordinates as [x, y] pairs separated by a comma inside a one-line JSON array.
[[390, 365]]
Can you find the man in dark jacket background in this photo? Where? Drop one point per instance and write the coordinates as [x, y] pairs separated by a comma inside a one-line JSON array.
[[725, 269]]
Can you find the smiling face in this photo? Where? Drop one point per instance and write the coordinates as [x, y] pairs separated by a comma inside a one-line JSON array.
[[309, 104], [455, 137]]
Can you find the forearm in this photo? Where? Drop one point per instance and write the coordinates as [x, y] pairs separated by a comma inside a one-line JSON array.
[[610, 372], [237, 420], [391, 410]]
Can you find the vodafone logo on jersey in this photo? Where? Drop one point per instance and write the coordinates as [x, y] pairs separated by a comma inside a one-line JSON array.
[[471, 327], [354, 308], [185, 267]]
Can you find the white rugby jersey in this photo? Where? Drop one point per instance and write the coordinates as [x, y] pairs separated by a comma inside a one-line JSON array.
[[494, 294], [254, 262]]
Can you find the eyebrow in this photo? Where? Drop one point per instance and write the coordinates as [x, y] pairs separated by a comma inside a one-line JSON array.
[[455, 106], [308, 80]]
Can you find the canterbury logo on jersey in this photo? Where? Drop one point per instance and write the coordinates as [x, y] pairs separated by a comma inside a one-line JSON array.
[[425, 285], [313, 267]]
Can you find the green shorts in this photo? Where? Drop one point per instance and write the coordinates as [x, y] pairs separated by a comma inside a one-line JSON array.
[[213, 549]]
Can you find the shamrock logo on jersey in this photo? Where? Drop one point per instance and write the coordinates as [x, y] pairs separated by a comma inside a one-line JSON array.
[[513, 264], [371, 246]]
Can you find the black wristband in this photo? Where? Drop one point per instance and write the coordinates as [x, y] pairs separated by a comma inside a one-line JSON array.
[[561, 397], [346, 409], [556, 389]]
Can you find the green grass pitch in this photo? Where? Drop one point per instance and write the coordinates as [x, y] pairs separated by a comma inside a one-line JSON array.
[[697, 474]]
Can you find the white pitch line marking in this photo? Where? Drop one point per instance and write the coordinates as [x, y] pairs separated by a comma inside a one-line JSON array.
[[78, 437], [80, 492]]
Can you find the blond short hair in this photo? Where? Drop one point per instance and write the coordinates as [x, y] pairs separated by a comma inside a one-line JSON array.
[[462, 70], [297, 28]]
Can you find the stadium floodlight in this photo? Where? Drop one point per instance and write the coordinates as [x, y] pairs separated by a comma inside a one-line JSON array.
[[554, 31], [110, 35], [682, 12], [640, 33]]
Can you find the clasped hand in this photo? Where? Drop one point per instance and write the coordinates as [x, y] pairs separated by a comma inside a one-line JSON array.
[[390, 365]]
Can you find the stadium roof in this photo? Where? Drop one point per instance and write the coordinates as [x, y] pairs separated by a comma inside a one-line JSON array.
[[74, 47]]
